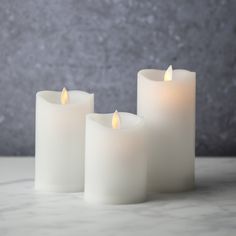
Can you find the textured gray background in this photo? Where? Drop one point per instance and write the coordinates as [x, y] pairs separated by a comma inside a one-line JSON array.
[[99, 46]]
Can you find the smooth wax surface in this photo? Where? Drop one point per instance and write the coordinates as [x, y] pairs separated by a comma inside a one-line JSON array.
[[168, 109], [209, 210], [115, 160], [60, 140]]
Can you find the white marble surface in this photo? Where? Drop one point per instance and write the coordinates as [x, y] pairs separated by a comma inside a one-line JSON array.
[[209, 210]]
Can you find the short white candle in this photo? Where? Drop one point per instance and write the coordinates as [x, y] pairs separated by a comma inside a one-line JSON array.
[[60, 139], [168, 108], [115, 159]]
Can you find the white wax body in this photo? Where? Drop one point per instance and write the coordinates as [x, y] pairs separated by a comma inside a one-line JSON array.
[[60, 140], [115, 160], [168, 108]]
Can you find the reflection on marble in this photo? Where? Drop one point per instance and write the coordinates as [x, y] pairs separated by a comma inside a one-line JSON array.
[[209, 210]]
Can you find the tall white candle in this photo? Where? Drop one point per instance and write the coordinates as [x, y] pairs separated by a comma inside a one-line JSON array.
[[60, 139], [115, 159], [168, 108]]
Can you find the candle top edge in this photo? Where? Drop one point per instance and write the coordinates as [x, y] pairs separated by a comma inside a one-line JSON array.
[[155, 75], [162, 70], [129, 121], [76, 97]]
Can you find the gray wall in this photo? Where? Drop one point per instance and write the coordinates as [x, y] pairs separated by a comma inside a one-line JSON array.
[[99, 46]]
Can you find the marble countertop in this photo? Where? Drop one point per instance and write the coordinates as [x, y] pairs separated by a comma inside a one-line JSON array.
[[209, 210]]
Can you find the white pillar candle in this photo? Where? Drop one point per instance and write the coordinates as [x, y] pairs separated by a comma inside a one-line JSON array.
[[60, 139], [115, 159], [168, 108]]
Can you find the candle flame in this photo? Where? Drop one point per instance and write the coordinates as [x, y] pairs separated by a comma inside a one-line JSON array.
[[64, 96], [168, 74], [116, 120]]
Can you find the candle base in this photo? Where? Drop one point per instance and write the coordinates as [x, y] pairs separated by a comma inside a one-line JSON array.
[[113, 200], [58, 188], [171, 189]]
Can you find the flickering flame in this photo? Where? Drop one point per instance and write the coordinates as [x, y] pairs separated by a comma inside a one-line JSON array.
[[116, 120], [64, 96], [168, 74]]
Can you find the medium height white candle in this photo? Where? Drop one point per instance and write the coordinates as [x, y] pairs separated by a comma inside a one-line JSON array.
[[115, 159], [60, 139], [166, 101]]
